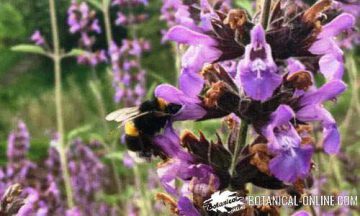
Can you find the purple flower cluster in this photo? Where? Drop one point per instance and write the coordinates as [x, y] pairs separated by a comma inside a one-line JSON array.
[[352, 35], [18, 143], [42, 181], [260, 79], [82, 20], [37, 38], [192, 14], [125, 17], [89, 172], [128, 75], [263, 76]]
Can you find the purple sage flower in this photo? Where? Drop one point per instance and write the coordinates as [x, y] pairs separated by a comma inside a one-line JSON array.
[[182, 165], [313, 110], [292, 160], [186, 208], [331, 62], [257, 72]]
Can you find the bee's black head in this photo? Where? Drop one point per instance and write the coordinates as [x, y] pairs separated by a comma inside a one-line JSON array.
[[149, 105], [172, 108]]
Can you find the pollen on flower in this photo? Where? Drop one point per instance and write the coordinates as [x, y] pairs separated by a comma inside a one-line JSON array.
[[261, 157], [214, 93], [312, 14], [301, 80], [236, 18], [168, 201]]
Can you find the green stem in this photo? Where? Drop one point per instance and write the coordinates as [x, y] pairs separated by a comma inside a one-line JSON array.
[[145, 206], [94, 85], [109, 39], [265, 13], [58, 102], [239, 145], [107, 22]]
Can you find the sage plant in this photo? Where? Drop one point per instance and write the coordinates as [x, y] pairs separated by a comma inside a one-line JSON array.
[[273, 92], [42, 181], [128, 74], [82, 20]]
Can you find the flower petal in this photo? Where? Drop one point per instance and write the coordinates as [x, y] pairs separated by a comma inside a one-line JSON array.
[[327, 92], [166, 143], [259, 87], [174, 95], [167, 174], [290, 165], [331, 67], [331, 143], [196, 56], [301, 213], [341, 23], [294, 65], [257, 72], [322, 46], [282, 115], [191, 108], [258, 36], [190, 83], [185, 35], [186, 208]]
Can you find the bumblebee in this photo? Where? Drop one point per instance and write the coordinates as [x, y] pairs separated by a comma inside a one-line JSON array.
[[143, 122]]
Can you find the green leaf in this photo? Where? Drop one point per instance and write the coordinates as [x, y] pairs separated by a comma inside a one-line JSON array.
[[157, 77], [95, 3], [245, 4], [115, 155], [11, 22], [29, 48], [75, 52], [151, 90], [77, 131]]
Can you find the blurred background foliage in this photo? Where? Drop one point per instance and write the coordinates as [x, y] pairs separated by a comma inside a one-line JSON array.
[[26, 81]]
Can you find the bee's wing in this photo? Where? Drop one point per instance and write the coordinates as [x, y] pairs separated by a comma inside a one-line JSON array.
[[123, 114], [158, 114], [133, 117]]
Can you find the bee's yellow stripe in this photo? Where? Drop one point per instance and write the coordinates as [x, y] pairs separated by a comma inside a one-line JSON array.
[[130, 129], [162, 104]]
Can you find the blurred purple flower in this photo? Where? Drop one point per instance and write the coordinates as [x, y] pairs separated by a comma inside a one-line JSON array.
[[83, 21], [128, 161], [129, 2], [74, 212], [18, 143], [92, 58], [121, 19], [128, 75], [38, 38]]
